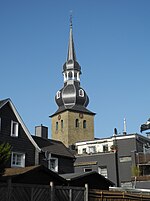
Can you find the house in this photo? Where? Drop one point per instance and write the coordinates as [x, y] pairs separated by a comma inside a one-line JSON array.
[[115, 158], [54, 154], [27, 150], [24, 151]]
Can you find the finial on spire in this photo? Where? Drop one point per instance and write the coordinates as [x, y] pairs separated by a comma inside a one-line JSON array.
[[71, 18]]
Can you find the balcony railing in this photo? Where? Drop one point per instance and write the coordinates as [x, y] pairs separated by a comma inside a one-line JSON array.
[[142, 158]]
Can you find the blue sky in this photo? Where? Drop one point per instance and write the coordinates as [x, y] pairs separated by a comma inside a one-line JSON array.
[[112, 42]]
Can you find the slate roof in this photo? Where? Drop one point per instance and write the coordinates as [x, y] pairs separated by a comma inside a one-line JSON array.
[[75, 108], [33, 174], [53, 146], [2, 102], [92, 178]]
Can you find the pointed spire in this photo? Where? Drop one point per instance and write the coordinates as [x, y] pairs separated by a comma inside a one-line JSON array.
[[71, 49]]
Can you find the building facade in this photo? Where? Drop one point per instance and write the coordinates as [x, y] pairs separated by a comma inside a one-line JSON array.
[[72, 121], [117, 158]]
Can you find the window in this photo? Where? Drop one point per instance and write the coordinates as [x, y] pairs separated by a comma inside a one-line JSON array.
[[17, 159], [62, 124], [75, 75], [57, 126], [84, 150], [87, 169], [70, 75], [105, 148], [81, 93], [58, 94], [14, 128], [77, 123], [84, 123], [103, 171], [53, 164], [92, 149]]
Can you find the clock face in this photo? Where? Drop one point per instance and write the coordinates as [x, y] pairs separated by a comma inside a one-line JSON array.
[[81, 115], [59, 117]]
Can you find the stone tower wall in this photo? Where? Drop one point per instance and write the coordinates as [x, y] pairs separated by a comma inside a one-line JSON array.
[[70, 134]]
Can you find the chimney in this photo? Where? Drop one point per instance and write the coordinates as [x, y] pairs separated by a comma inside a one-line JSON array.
[[41, 131]]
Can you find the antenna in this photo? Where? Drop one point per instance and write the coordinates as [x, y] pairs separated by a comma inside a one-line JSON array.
[[124, 127]]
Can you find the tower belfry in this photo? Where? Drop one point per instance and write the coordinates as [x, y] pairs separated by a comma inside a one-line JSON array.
[[72, 122]]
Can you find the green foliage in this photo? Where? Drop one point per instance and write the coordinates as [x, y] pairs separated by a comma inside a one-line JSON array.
[[135, 171], [5, 152]]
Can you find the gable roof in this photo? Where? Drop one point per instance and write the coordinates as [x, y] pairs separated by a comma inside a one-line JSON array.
[[92, 178], [2, 104], [33, 174], [53, 146]]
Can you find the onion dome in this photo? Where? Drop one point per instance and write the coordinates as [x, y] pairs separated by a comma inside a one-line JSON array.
[[72, 95]]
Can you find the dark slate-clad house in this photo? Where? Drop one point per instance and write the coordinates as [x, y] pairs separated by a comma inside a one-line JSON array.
[[54, 155], [30, 150], [25, 151]]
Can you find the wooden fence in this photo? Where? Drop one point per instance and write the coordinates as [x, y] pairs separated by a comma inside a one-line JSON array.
[[29, 192], [97, 195]]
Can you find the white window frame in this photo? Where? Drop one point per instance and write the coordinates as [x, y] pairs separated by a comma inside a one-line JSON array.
[[92, 149], [55, 169], [81, 92], [15, 159], [14, 131], [58, 94], [103, 171], [87, 169]]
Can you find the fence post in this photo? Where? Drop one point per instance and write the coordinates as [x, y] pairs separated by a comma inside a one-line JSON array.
[[9, 190], [52, 190], [86, 192], [70, 194]]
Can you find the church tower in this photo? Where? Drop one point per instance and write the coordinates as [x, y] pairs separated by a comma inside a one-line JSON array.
[[72, 122]]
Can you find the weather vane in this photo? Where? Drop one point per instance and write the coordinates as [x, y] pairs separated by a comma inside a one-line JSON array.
[[70, 17]]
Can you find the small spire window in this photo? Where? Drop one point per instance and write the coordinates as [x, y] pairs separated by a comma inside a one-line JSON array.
[[81, 93], [58, 94], [70, 75]]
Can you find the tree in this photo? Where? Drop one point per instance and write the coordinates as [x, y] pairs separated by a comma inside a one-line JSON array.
[[5, 152], [135, 172]]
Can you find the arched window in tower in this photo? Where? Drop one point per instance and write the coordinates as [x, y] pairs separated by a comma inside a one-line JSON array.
[[57, 126], [70, 75], [75, 75], [77, 123], [81, 93], [84, 123], [62, 124], [58, 94]]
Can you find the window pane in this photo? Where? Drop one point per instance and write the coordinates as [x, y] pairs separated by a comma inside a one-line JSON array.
[[84, 124], [56, 125], [62, 124]]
